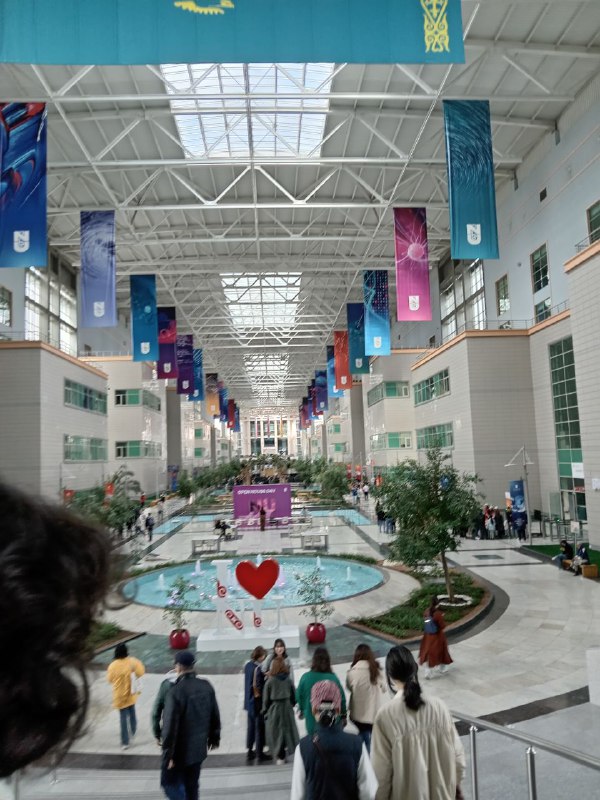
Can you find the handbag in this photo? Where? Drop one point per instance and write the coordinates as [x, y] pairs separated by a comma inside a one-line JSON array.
[[429, 626], [137, 683]]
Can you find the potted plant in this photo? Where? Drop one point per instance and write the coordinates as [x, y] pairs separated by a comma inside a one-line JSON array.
[[312, 589], [179, 638]]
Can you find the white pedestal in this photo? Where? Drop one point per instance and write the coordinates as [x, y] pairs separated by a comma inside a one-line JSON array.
[[593, 671], [212, 640]]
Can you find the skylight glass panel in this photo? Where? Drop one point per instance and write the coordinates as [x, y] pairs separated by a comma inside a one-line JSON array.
[[212, 124], [262, 301]]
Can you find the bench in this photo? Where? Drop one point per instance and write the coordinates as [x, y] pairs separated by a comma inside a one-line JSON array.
[[206, 545], [587, 570]]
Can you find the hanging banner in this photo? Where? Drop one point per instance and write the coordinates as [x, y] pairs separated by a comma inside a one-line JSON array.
[[231, 414], [184, 353], [211, 394], [321, 390], [23, 238], [144, 332], [98, 269], [518, 505], [312, 401], [166, 366], [306, 412], [177, 31], [359, 362], [377, 313], [412, 265], [223, 398], [471, 187], [198, 393], [343, 376], [332, 391], [236, 425]]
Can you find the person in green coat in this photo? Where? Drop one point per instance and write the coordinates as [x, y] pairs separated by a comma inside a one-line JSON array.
[[159, 704], [278, 708], [320, 670]]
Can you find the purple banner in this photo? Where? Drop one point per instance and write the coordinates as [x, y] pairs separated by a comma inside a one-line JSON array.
[[412, 264], [184, 352], [98, 269], [248, 500], [321, 390], [166, 366]]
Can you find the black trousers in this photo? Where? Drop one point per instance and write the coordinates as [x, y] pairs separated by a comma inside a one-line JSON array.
[[181, 783]]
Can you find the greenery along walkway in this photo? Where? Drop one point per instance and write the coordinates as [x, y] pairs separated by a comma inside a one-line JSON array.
[[551, 550], [406, 620]]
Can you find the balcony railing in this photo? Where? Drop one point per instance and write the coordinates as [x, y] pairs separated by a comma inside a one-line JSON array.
[[589, 240]]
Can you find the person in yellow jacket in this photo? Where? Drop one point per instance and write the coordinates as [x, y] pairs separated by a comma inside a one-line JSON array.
[[120, 673]]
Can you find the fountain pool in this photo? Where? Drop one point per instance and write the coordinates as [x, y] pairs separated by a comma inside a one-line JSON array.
[[346, 578]]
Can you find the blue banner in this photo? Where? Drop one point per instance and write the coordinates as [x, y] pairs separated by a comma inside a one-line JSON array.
[[198, 393], [471, 187], [377, 312], [518, 505], [144, 333], [166, 324], [331, 390], [321, 390], [98, 270], [184, 354], [359, 361], [236, 425], [186, 31], [23, 128], [223, 398]]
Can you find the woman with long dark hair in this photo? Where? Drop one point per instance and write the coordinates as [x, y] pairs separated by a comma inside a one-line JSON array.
[[320, 670], [415, 749], [434, 644], [368, 691], [279, 649]]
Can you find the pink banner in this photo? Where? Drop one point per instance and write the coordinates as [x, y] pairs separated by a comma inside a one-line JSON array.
[[412, 264], [276, 499]]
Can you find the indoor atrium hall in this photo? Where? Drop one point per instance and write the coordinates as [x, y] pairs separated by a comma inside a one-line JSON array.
[[299, 419]]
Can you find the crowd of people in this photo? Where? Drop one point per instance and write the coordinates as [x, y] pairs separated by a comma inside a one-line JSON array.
[[495, 523]]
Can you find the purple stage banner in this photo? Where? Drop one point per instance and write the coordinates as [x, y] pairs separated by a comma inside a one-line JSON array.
[[98, 269], [276, 499], [184, 352], [412, 265], [166, 366], [23, 227]]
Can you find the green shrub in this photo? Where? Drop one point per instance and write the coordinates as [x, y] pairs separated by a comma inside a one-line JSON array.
[[101, 633]]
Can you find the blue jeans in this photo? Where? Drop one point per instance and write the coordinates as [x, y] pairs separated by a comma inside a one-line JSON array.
[[559, 559], [364, 731], [181, 783], [128, 723]]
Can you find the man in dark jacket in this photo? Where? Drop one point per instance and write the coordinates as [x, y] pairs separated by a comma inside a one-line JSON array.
[[331, 764], [191, 727]]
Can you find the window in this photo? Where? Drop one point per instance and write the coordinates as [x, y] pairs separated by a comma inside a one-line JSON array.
[[51, 305], [593, 217], [391, 441], [150, 400], [432, 388], [5, 306], [198, 452], [83, 448], [502, 299], [80, 396], [138, 449], [340, 447], [435, 436], [386, 390], [335, 428], [127, 397], [199, 433], [539, 268], [542, 310], [462, 300]]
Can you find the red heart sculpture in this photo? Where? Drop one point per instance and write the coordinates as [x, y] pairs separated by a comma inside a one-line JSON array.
[[257, 581]]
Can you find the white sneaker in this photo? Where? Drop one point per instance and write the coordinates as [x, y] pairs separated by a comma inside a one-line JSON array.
[[124, 747], [280, 762]]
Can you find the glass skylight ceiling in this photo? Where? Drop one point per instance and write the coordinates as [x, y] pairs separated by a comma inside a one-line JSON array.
[[213, 125], [262, 301]]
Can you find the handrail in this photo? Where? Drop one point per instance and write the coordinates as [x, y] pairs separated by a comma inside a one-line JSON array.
[[532, 741]]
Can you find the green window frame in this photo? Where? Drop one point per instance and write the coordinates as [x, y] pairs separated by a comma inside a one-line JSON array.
[[150, 400], [84, 397], [393, 440], [138, 449], [127, 397], [543, 310], [335, 428], [539, 268], [198, 433], [435, 436], [502, 298], [84, 448], [198, 452], [593, 220], [339, 447], [432, 388], [387, 390]]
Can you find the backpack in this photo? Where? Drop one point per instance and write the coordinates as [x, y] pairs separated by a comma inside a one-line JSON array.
[[429, 626]]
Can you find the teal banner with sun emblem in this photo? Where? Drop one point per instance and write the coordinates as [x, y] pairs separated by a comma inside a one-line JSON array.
[[201, 31]]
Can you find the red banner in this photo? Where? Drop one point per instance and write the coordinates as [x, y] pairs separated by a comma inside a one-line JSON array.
[[341, 360], [231, 413]]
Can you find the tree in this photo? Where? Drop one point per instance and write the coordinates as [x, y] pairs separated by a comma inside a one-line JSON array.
[[431, 503], [312, 588], [113, 512], [334, 483]]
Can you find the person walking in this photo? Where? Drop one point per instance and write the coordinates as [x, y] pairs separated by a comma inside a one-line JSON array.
[[159, 704], [254, 682], [263, 518], [191, 727], [320, 670], [149, 526], [368, 691], [381, 518], [331, 763], [415, 750], [434, 644], [365, 491], [278, 709], [122, 673]]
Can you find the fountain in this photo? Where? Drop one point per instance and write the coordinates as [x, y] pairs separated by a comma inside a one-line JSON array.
[[281, 579], [198, 568], [162, 586], [348, 575], [319, 562], [259, 559]]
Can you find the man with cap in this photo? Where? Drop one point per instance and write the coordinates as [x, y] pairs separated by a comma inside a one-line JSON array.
[[191, 727], [331, 763]]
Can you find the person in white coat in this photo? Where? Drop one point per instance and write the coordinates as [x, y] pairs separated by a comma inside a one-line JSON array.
[[368, 691], [415, 749]]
